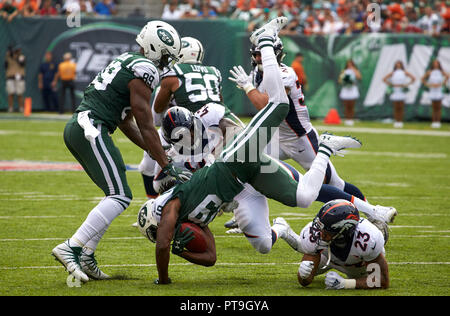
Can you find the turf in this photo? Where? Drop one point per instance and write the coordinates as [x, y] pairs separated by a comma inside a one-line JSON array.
[[40, 209]]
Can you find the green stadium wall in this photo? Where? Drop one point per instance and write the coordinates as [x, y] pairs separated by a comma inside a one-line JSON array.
[[97, 41]]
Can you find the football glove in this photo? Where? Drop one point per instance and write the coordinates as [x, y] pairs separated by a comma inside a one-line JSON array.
[[179, 175], [181, 239], [229, 206], [242, 80], [334, 281], [305, 269]]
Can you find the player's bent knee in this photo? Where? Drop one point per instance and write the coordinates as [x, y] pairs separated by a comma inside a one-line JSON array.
[[262, 245]]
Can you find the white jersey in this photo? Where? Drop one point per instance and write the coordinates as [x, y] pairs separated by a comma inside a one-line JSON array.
[[297, 123], [207, 119], [367, 245]]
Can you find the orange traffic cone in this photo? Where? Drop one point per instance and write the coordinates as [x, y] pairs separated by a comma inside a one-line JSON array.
[[27, 107], [332, 117]]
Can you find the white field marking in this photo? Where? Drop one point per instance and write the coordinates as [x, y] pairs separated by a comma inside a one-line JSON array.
[[433, 231], [419, 236], [146, 265], [425, 198], [216, 236], [18, 132], [38, 217], [388, 184], [371, 130], [399, 154], [295, 214], [404, 226]]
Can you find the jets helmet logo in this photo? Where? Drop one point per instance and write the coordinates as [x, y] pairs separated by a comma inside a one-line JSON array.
[[165, 37], [142, 216]]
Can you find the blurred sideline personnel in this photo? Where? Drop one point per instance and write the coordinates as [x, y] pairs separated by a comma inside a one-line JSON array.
[[435, 80], [178, 88], [117, 94], [297, 65], [67, 72], [339, 239], [47, 73], [297, 138], [200, 199], [15, 77]]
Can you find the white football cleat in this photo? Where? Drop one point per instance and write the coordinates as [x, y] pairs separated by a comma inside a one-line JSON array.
[[386, 213], [236, 230], [284, 231], [333, 144], [89, 266], [269, 30], [68, 256], [135, 224]]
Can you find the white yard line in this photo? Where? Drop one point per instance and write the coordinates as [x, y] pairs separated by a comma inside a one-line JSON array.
[[140, 265], [392, 131]]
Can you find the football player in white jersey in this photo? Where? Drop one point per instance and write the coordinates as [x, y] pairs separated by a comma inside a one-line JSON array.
[[297, 138], [339, 239]]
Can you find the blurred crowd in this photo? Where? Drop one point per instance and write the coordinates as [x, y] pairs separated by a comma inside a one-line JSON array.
[[307, 17], [323, 17], [9, 9]]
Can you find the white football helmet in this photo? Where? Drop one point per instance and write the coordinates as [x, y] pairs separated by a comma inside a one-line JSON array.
[[192, 51], [161, 43], [146, 221]]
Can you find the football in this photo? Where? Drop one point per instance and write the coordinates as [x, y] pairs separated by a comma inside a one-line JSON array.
[[198, 244]]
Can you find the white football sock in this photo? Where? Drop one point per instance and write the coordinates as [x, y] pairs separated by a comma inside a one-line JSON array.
[[311, 182], [365, 207], [98, 220]]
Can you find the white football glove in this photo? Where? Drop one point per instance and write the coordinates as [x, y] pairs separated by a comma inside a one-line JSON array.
[[305, 269], [242, 80], [334, 281]]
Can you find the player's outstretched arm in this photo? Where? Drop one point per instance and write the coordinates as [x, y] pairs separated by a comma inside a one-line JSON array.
[[140, 95], [164, 237], [207, 258], [168, 86], [308, 269], [378, 278]]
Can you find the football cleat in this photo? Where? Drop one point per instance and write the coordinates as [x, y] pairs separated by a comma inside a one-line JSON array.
[[236, 230], [232, 223], [281, 227], [89, 266], [68, 256], [386, 213], [383, 227], [333, 144], [268, 31]]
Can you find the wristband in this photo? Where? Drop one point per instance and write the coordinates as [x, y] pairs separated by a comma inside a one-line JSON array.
[[349, 284], [248, 88]]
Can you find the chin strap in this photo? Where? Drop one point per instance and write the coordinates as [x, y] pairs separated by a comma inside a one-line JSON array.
[[329, 257]]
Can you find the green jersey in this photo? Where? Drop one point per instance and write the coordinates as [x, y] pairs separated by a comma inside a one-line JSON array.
[[108, 95], [203, 195], [199, 85]]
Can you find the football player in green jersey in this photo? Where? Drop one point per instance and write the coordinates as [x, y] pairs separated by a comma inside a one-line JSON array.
[[117, 94], [188, 84], [243, 161]]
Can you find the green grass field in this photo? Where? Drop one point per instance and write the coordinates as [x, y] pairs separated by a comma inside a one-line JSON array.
[[408, 169]]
